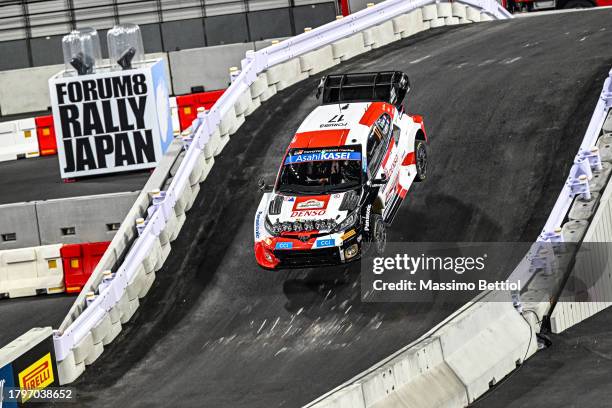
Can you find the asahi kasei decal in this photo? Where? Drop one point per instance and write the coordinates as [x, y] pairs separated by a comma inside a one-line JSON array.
[[107, 122]]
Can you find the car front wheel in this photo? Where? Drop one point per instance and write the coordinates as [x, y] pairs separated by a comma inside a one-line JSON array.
[[420, 152], [376, 240]]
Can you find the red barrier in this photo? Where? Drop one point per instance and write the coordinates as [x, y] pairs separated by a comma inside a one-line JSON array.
[[189, 104], [45, 131], [79, 261], [344, 7]]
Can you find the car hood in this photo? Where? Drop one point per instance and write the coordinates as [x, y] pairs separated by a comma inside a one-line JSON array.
[[305, 208]]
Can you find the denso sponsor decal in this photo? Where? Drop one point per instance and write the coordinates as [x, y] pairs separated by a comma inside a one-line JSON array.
[[322, 156], [284, 245], [325, 242], [307, 213], [37, 376]]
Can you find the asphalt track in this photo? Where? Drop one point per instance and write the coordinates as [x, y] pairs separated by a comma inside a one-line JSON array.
[[506, 105], [39, 179], [17, 316]]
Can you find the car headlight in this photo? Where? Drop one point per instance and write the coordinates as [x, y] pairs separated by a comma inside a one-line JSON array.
[[348, 222], [273, 229]]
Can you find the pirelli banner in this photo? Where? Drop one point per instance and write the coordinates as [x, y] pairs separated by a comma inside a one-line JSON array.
[[27, 368], [111, 122]]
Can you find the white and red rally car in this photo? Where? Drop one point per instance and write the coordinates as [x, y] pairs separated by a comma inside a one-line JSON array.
[[344, 175]]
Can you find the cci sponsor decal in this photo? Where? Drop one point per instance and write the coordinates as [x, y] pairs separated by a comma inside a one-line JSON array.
[[322, 156], [284, 245], [324, 243], [38, 375]]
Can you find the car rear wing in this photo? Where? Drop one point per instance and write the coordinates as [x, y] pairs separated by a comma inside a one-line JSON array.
[[387, 86]]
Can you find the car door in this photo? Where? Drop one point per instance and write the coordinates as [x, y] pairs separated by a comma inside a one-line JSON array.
[[390, 162]]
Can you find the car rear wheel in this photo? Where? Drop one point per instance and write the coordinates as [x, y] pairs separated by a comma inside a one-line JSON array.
[[420, 152]]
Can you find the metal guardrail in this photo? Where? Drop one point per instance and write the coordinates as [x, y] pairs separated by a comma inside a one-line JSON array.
[[204, 126]]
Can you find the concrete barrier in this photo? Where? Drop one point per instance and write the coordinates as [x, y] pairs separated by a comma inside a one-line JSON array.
[[486, 343], [409, 24], [430, 12], [349, 47], [318, 60], [380, 35], [18, 226], [207, 67], [444, 10], [438, 22], [472, 14], [68, 220], [29, 271], [286, 74], [591, 270], [588, 287], [419, 375], [82, 219], [26, 90], [450, 366], [459, 10]]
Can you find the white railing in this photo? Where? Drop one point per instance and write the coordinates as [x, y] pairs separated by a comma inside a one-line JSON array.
[[205, 125], [577, 183]]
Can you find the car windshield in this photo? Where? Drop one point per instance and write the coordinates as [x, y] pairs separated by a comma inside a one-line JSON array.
[[323, 170]]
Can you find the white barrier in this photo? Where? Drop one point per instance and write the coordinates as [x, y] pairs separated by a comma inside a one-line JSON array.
[[586, 179], [450, 366], [280, 63], [593, 268], [18, 140], [176, 125], [318, 60], [29, 271], [409, 24]]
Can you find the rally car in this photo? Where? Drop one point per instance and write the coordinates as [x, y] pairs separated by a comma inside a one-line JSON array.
[[344, 175]]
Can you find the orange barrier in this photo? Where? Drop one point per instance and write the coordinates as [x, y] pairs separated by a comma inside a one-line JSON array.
[[189, 104], [79, 261], [45, 131]]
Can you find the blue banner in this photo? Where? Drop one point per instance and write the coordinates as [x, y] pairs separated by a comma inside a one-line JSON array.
[[7, 380], [158, 73], [322, 156]]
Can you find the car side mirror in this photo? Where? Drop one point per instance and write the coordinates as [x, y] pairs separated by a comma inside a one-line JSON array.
[[266, 188]]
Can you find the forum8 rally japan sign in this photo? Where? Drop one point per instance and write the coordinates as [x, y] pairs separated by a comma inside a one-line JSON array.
[[111, 121]]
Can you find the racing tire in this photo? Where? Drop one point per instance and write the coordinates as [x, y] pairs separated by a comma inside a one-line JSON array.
[[420, 153], [378, 235]]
